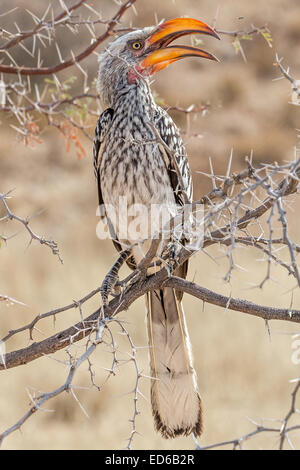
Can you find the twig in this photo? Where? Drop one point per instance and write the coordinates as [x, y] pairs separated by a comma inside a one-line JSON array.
[[20, 70], [25, 222]]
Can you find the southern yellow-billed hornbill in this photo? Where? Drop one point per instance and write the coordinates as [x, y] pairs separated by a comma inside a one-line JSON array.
[[131, 163]]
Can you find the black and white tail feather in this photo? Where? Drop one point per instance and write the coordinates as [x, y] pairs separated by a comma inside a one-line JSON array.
[[176, 403]]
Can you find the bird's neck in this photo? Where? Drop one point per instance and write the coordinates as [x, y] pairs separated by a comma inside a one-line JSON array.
[[119, 93], [136, 99]]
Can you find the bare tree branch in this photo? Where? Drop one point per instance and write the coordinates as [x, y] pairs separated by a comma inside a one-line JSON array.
[[20, 70], [25, 222], [21, 36], [287, 75], [282, 431], [39, 401]]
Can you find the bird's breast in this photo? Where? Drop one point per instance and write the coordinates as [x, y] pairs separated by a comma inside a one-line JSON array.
[[132, 166], [135, 184]]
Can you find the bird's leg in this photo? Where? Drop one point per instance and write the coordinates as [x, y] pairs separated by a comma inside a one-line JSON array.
[[112, 276]]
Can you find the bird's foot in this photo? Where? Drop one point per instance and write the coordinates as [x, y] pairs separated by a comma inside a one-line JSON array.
[[170, 253]]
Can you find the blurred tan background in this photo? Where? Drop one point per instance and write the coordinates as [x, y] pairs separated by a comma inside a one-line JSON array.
[[243, 373]]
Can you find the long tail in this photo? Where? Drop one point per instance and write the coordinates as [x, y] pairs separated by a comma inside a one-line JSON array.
[[176, 404]]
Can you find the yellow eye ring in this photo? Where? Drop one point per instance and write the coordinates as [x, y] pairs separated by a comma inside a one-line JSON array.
[[136, 45]]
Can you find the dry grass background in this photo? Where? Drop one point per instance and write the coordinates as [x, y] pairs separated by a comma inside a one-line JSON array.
[[242, 372]]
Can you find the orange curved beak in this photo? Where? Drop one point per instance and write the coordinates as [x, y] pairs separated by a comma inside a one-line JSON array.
[[159, 54]]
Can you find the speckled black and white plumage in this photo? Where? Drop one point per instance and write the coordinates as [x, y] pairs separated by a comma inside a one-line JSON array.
[[128, 165], [130, 162]]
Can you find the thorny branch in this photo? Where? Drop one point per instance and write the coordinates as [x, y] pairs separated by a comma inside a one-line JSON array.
[[286, 74], [26, 97], [38, 401], [41, 24], [282, 431], [9, 215], [63, 64]]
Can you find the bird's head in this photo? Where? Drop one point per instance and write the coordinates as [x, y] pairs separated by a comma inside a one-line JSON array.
[[139, 54]]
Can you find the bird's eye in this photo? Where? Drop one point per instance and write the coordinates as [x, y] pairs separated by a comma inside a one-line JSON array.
[[136, 45]]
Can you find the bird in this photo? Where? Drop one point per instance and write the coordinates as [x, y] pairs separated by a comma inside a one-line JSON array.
[[140, 158]]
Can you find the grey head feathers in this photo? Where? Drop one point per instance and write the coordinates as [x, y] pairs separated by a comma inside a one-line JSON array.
[[116, 62]]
